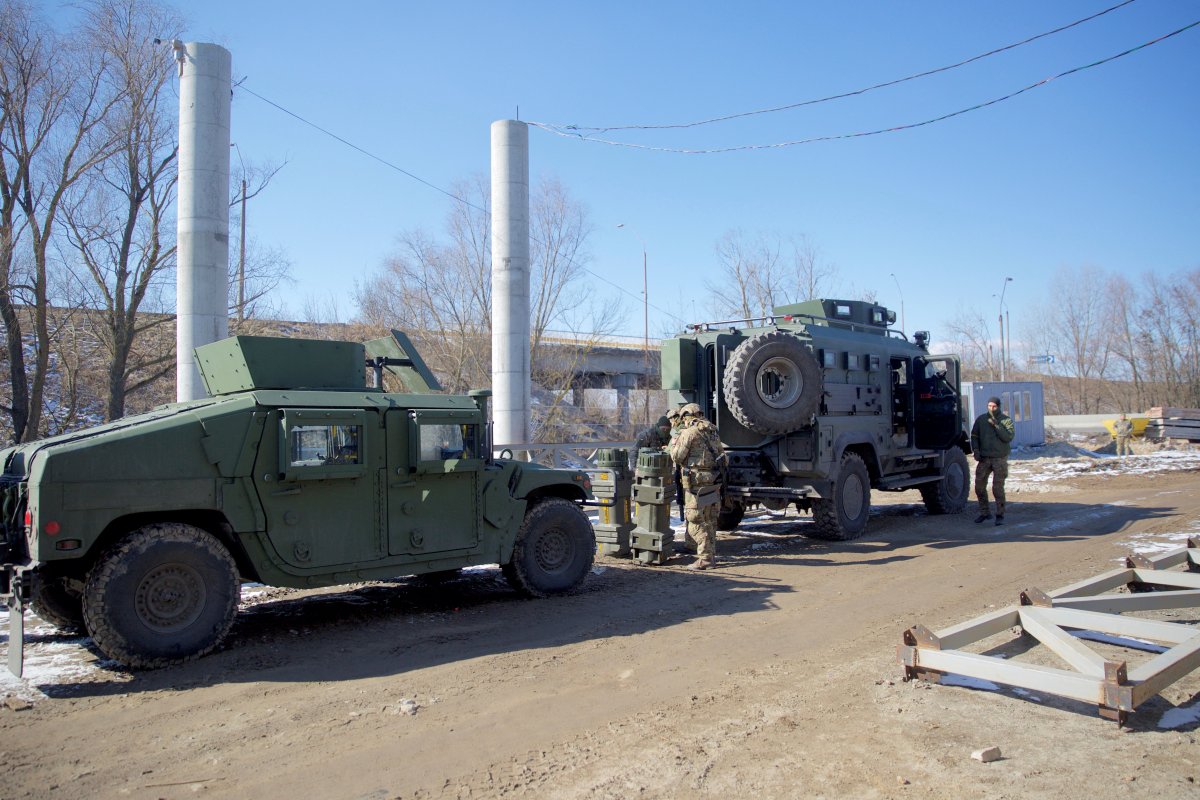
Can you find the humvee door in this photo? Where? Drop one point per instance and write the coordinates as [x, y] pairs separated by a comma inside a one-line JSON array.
[[433, 472]]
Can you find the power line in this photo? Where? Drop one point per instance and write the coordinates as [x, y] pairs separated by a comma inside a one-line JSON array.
[[242, 86], [894, 129], [844, 95]]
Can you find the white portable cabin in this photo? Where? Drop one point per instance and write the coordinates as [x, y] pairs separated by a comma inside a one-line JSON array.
[[1024, 401]]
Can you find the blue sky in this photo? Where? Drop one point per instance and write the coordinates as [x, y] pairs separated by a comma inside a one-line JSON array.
[[1100, 168]]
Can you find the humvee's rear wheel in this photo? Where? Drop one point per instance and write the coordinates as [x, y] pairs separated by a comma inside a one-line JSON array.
[[772, 383], [554, 549], [844, 516], [951, 493], [56, 603], [165, 594]]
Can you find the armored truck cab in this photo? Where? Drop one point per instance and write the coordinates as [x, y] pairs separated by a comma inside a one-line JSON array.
[[820, 403], [292, 473]]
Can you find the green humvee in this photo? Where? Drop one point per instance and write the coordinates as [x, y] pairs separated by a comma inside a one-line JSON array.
[[818, 404], [292, 473]]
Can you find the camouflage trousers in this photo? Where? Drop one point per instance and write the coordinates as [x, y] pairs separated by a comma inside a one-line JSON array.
[[998, 469], [702, 525], [1123, 446]]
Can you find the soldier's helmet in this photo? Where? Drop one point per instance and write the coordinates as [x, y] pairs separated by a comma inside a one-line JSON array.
[[672, 415], [690, 410]]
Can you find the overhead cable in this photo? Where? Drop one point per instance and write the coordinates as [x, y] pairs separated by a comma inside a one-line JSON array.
[[242, 86], [832, 137], [844, 95]]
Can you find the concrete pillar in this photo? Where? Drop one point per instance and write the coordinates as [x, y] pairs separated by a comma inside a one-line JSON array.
[[202, 282], [623, 382], [511, 385]]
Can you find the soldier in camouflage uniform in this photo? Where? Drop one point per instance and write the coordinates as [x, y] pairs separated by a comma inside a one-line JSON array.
[[655, 437], [697, 452], [1124, 432]]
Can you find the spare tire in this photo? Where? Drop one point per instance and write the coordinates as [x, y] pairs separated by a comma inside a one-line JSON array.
[[772, 383]]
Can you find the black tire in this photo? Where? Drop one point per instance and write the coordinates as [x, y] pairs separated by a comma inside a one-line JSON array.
[[772, 383], [54, 602], [844, 516], [165, 594], [554, 550], [951, 494], [730, 516]]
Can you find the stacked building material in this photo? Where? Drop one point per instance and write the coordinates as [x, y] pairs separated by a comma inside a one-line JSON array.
[[1173, 423]]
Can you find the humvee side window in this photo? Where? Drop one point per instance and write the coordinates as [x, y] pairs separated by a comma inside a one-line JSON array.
[[442, 441], [318, 445]]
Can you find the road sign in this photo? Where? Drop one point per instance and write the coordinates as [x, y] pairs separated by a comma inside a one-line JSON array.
[[1046, 359]]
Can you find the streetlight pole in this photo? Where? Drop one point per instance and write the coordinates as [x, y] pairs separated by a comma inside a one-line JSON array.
[[1003, 350], [645, 318], [903, 325]]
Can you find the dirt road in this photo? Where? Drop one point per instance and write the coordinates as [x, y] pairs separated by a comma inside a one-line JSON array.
[[772, 677]]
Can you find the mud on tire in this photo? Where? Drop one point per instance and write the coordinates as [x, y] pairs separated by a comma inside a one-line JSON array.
[[951, 494], [554, 550], [844, 516], [772, 383], [165, 594]]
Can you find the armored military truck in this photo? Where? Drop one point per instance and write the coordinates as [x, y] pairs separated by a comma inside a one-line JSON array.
[[292, 473], [818, 404]]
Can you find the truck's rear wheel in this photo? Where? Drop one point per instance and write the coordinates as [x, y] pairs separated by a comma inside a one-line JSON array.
[[772, 383], [844, 516], [951, 493], [165, 594], [554, 549], [56, 603]]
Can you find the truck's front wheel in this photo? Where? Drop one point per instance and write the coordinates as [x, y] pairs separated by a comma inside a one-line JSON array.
[[165, 594], [553, 551], [951, 494], [844, 516]]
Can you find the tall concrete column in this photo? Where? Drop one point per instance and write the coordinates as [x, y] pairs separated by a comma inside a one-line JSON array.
[[202, 282], [511, 385]]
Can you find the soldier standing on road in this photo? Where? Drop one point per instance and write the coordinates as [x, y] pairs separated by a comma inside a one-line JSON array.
[[1124, 431], [991, 438], [697, 451], [655, 437]]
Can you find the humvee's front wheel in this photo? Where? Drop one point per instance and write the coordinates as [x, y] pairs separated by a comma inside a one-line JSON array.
[[554, 549], [165, 594], [844, 516]]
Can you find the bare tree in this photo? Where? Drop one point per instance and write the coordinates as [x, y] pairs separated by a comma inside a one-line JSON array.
[[811, 277], [119, 224], [972, 339], [440, 292], [1076, 329], [750, 275], [438, 289], [53, 131]]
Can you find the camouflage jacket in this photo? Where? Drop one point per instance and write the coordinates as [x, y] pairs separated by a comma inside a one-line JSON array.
[[697, 450], [1123, 428], [650, 437]]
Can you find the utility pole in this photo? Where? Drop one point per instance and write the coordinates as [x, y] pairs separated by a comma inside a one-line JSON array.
[[1003, 351]]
